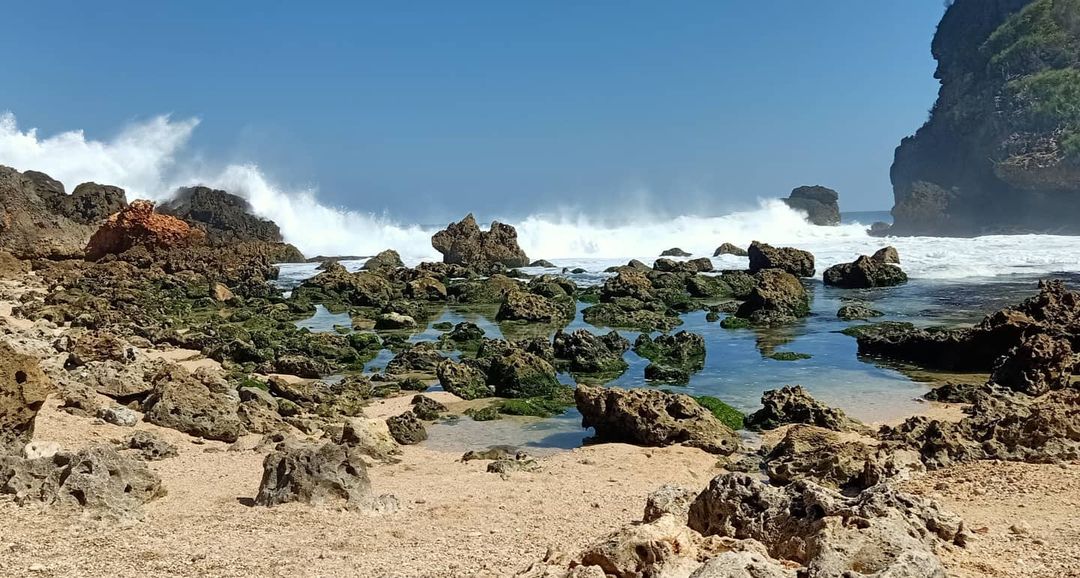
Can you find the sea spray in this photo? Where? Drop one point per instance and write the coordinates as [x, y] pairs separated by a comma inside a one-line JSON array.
[[148, 160]]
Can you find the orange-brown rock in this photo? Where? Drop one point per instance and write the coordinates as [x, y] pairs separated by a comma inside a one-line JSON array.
[[138, 224]]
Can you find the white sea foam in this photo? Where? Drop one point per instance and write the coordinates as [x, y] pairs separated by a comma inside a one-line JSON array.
[[149, 159]]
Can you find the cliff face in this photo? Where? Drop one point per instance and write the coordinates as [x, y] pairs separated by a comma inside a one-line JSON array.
[[1001, 151]]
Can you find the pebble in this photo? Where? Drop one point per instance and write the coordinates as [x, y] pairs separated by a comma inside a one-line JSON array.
[[36, 567], [1020, 528]]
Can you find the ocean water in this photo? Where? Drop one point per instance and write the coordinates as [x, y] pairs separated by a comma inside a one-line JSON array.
[[737, 368]]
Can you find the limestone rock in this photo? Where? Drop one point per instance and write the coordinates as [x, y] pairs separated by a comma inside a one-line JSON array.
[[23, 389], [327, 473], [187, 403], [730, 249], [463, 243], [652, 418], [795, 261], [791, 404], [139, 225], [406, 428]]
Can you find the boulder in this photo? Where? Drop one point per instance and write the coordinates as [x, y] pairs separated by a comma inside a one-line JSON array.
[[138, 225], [23, 389], [194, 404], [226, 218], [864, 272], [393, 321], [386, 260], [426, 408], [520, 374], [675, 252], [819, 203], [463, 243], [791, 404], [371, 437], [673, 357], [11, 268], [426, 288], [542, 263], [327, 473], [630, 283], [523, 306], [887, 255], [794, 261], [420, 358], [896, 533], [96, 480], [91, 203], [847, 464], [652, 418], [730, 249], [406, 428], [777, 297], [589, 353], [150, 446], [463, 380], [699, 265]]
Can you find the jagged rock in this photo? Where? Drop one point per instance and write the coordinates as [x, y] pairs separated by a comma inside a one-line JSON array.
[[426, 288], [97, 480], [23, 389], [819, 203], [1054, 311], [552, 286], [730, 249], [628, 283], [1037, 365], [586, 352], [652, 418], [522, 374], [673, 357], [668, 499], [791, 404], [407, 429], [388, 259], [150, 446], [370, 437], [225, 217], [463, 380], [362, 289], [33, 222], [795, 261], [777, 297], [896, 533], [1006, 427], [699, 265], [463, 243], [864, 272], [194, 404], [856, 312], [91, 203], [139, 225], [420, 358], [822, 456], [326, 473], [523, 306], [426, 408], [887, 255], [675, 252]]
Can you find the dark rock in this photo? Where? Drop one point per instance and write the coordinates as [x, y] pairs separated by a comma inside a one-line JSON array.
[[675, 252], [150, 446], [388, 259], [463, 380], [864, 272], [823, 457], [1037, 365], [522, 374], [542, 263], [674, 357], [407, 429], [730, 249], [586, 352], [819, 203], [791, 404], [887, 255], [463, 243], [426, 408], [225, 217], [420, 358], [795, 261], [32, 222], [91, 203], [777, 297], [652, 418]]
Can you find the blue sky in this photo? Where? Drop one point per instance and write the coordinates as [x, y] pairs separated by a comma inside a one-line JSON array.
[[427, 109]]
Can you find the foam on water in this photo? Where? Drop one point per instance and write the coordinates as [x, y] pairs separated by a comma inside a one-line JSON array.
[[147, 159]]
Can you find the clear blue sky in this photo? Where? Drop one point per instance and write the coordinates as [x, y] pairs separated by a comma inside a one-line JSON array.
[[429, 108]]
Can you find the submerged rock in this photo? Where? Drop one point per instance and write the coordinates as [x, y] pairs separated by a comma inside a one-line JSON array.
[[794, 261], [819, 203], [652, 418], [857, 312], [463, 243]]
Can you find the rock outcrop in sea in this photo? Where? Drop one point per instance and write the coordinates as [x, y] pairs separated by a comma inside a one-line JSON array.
[[226, 218], [821, 204], [1001, 150], [463, 243]]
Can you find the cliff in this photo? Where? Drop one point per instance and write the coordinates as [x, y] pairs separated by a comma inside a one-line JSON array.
[[1001, 150]]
